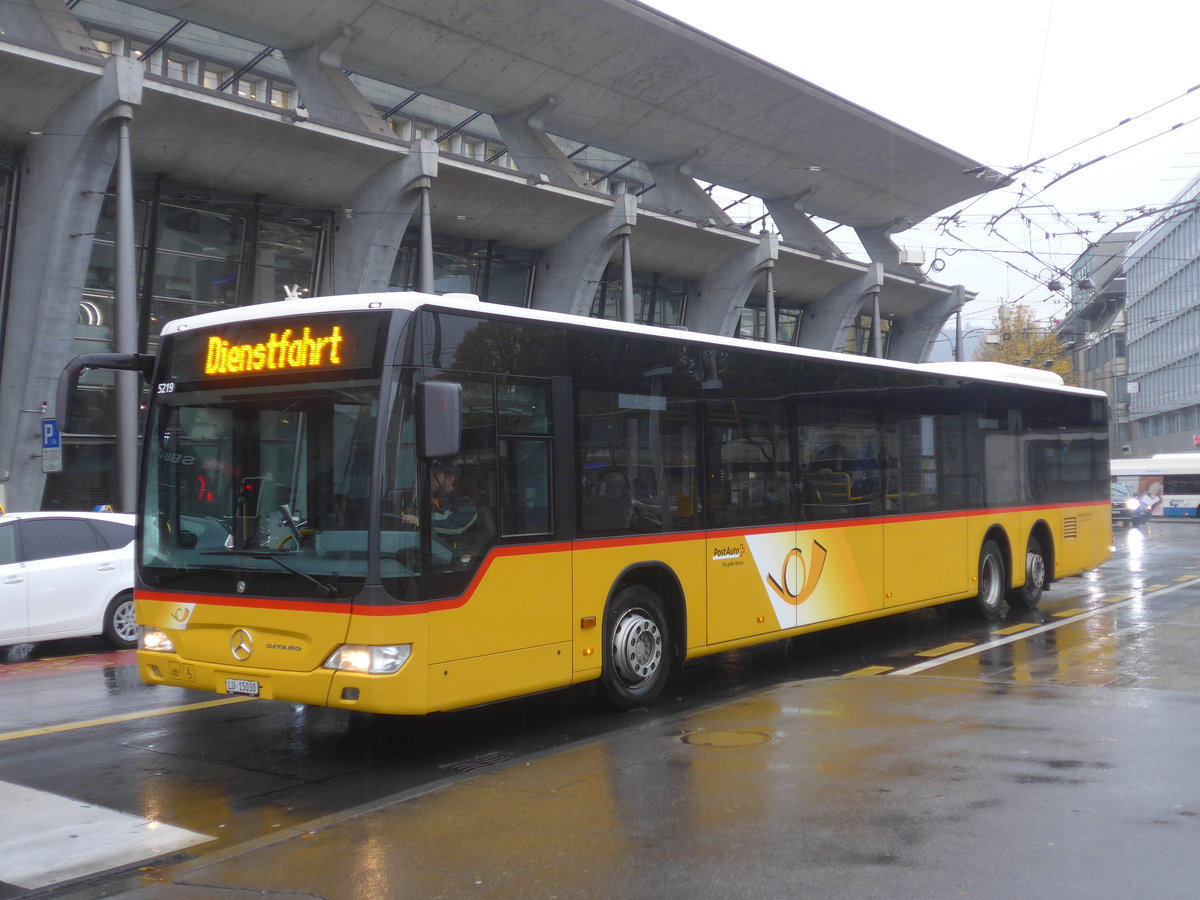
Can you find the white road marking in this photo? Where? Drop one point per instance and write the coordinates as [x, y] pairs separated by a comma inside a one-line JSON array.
[[1151, 592], [46, 839]]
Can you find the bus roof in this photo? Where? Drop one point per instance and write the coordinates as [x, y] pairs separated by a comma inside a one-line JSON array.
[[413, 300]]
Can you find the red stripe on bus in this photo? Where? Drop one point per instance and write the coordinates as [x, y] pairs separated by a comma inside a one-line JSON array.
[[513, 550]]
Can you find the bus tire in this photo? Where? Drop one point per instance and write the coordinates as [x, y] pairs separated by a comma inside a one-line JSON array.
[[1030, 593], [990, 598], [120, 624], [637, 641]]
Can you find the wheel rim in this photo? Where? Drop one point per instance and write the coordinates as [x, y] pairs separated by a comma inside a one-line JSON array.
[[125, 621], [990, 593], [637, 647], [1035, 570]]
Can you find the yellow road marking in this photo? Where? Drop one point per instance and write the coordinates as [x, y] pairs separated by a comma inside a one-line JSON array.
[[1067, 613], [869, 670], [945, 648], [1185, 577], [1154, 587], [1014, 629], [1116, 599], [125, 717]]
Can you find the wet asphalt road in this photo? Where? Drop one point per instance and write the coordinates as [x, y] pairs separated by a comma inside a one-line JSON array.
[[247, 772]]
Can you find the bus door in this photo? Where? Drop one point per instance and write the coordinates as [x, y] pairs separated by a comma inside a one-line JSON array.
[[472, 534], [927, 485], [756, 567]]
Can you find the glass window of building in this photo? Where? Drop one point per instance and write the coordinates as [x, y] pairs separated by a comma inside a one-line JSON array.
[[285, 257], [215, 75], [657, 299], [493, 272]]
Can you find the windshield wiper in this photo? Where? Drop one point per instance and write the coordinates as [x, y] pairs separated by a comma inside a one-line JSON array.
[[190, 570], [326, 587]]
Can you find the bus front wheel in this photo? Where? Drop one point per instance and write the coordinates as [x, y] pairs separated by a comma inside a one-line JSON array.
[[990, 599], [1030, 593], [636, 648]]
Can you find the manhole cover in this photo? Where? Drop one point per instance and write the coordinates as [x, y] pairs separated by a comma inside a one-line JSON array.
[[726, 738]]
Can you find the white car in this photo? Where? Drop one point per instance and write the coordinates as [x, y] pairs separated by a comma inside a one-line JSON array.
[[66, 574]]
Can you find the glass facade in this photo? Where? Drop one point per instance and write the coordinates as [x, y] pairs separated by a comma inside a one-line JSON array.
[[196, 252], [1163, 330]]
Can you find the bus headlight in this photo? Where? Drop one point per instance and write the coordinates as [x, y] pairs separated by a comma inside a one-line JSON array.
[[1132, 504], [383, 659], [155, 639]]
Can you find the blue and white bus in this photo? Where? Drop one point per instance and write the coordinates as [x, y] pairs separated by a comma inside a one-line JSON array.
[[1169, 483]]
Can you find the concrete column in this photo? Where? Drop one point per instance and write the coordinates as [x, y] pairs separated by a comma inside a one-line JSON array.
[[826, 323], [370, 232], [876, 328], [328, 95], [772, 324], [912, 337], [627, 311], [569, 271], [524, 134], [425, 245], [125, 318], [723, 291], [67, 171]]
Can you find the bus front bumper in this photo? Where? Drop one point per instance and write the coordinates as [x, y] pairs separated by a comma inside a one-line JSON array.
[[400, 693]]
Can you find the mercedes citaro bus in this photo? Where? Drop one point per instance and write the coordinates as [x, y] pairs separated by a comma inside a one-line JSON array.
[[629, 498]]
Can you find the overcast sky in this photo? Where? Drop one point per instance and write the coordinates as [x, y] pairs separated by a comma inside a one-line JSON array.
[[1005, 83]]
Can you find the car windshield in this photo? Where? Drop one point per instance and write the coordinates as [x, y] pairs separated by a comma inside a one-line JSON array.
[[264, 490]]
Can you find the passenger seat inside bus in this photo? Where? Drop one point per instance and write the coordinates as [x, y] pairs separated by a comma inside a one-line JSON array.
[[610, 505]]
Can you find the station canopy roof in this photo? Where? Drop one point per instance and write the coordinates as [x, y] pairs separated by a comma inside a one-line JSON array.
[[632, 81]]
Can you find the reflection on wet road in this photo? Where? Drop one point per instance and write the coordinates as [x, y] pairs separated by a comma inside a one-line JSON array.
[[234, 772]]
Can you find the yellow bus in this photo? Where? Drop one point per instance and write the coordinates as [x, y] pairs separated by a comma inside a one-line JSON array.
[[406, 503]]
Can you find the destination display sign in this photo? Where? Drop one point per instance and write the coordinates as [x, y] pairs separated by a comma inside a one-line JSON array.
[[322, 344], [283, 349]]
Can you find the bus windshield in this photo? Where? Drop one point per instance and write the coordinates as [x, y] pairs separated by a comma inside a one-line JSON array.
[[262, 490]]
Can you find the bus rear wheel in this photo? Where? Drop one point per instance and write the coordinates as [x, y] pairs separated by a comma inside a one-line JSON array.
[[990, 599], [1030, 593], [637, 645]]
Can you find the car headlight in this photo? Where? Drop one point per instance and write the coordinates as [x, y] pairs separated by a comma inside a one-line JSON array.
[[383, 659], [155, 639], [1132, 503]]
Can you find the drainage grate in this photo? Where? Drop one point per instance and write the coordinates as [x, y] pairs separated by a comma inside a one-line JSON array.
[[479, 762]]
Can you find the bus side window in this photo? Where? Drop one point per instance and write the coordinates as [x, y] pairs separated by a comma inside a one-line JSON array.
[[524, 424]]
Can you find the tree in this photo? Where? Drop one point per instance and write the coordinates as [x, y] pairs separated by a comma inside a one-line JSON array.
[[1024, 341]]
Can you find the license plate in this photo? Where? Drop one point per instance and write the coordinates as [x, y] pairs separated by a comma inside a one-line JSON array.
[[241, 686]]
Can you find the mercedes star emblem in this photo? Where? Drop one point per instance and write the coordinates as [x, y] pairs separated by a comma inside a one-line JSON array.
[[241, 645]]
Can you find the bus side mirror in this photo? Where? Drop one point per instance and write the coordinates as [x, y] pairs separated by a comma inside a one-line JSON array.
[[439, 405]]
